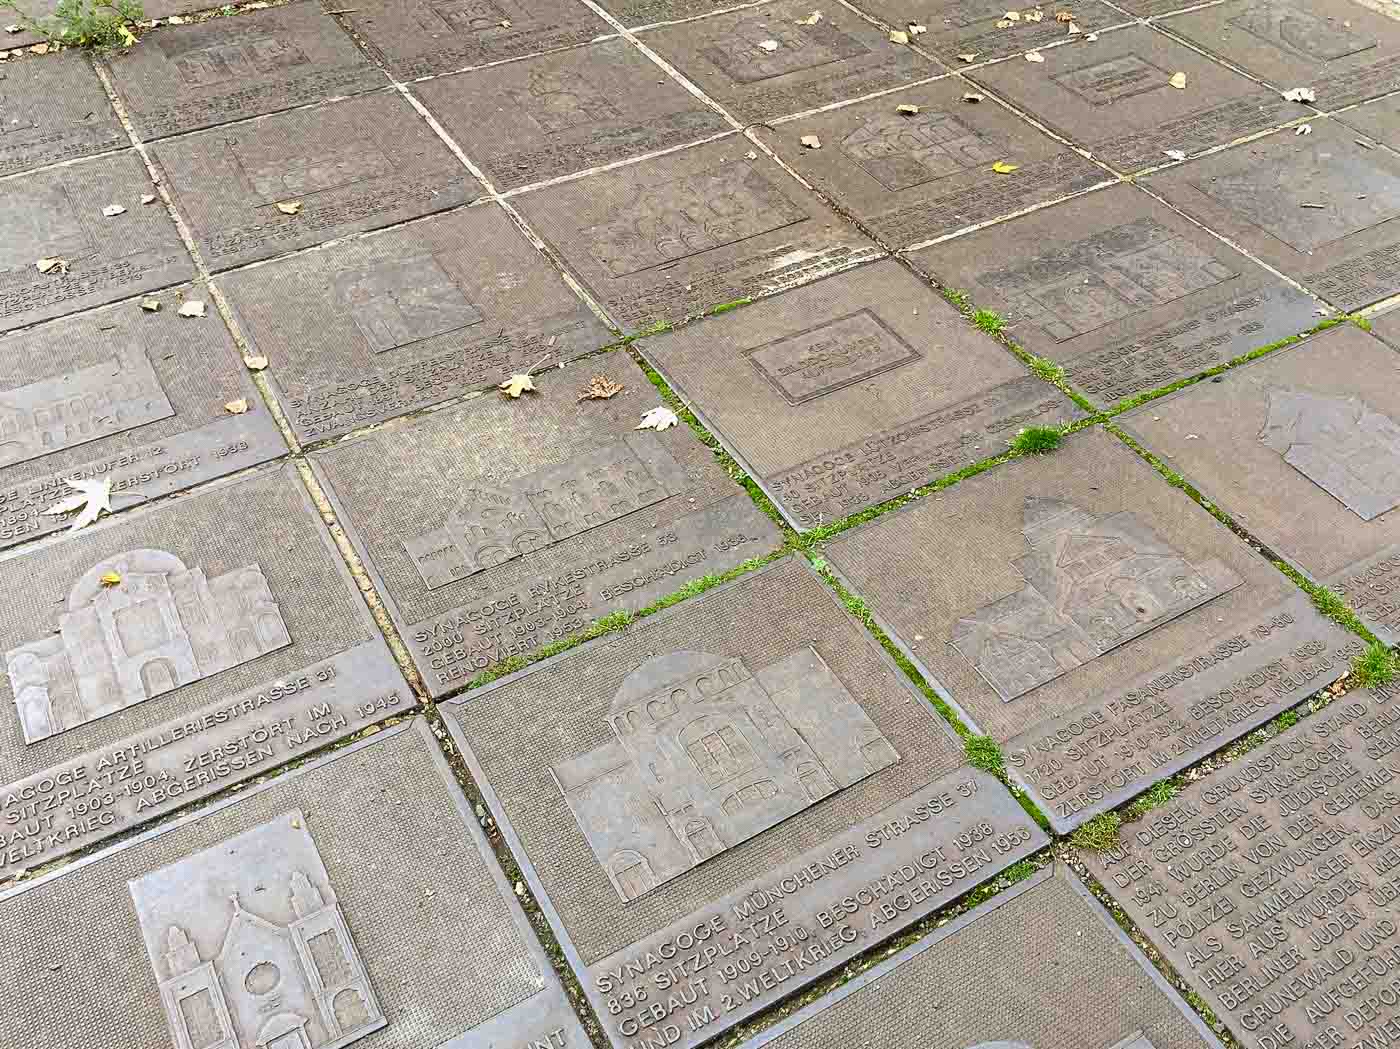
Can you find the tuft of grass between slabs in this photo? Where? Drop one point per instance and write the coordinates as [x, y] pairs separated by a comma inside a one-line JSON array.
[[100, 25], [1037, 440], [1153, 797], [984, 753], [1100, 834], [1375, 667], [989, 321]]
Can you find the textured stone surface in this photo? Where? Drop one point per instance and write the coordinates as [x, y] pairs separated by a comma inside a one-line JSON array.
[[852, 391], [1113, 97], [557, 114], [755, 651], [231, 639], [1303, 449], [678, 234], [127, 394], [970, 26], [1347, 249], [354, 165], [296, 874], [419, 37], [1270, 884], [913, 177], [382, 325], [196, 76], [985, 979], [760, 63], [1379, 120], [502, 524], [1121, 290], [1057, 600], [53, 110], [57, 214]]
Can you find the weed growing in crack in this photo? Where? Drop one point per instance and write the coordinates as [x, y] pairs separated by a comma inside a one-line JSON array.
[[102, 25], [1374, 667], [1156, 795], [1100, 834], [1047, 370], [983, 753], [989, 322], [1037, 440]]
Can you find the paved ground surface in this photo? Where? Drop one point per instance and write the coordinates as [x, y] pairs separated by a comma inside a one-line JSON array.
[[641, 523]]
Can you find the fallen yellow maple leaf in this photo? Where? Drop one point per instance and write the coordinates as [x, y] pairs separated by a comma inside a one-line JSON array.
[[516, 385], [1001, 167], [110, 578]]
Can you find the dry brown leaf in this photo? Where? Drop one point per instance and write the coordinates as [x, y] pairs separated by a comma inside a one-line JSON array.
[[812, 19], [1064, 16], [49, 265], [289, 207], [151, 305], [92, 498], [600, 388], [1004, 23], [193, 308], [898, 36], [1034, 56], [237, 407], [1178, 81], [109, 578], [1012, 16], [968, 56], [255, 363], [906, 109], [39, 49], [811, 141], [1034, 16], [973, 96], [517, 384], [1001, 167]]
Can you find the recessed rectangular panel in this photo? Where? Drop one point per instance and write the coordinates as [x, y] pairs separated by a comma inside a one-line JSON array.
[[830, 356], [980, 27], [266, 921], [733, 773], [170, 652], [53, 110]]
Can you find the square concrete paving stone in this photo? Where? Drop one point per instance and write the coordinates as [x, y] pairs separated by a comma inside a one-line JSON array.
[[1121, 290], [125, 395], [962, 27], [759, 63], [322, 904], [169, 652], [381, 325], [419, 37], [195, 76], [1270, 884], [501, 525], [745, 778], [1113, 97], [993, 978], [353, 165], [542, 117], [913, 177], [676, 235], [1093, 619], [1344, 51], [1302, 448], [57, 214], [1322, 208], [53, 110], [852, 391], [1378, 120]]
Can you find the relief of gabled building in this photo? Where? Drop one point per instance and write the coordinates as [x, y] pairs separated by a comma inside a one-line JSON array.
[[706, 754]]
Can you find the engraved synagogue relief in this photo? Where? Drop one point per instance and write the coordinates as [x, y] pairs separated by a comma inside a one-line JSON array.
[[239, 59], [1113, 80], [1097, 280], [799, 47], [1300, 31], [706, 754], [1093, 582], [491, 525], [250, 946], [74, 407], [831, 356], [397, 302], [1341, 444], [555, 101], [903, 151], [162, 626], [297, 169], [468, 16], [662, 223]]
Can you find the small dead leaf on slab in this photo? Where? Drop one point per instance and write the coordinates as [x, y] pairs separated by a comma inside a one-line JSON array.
[[1300, 94], [1303, 129], [39, 49], [14, 28], [1001, 167], [92, 498], [1034, 16], [111, 211], [109, 578], [751, 155], [255, 363], [768, 45], [811, 141], [151, 305], [658, 418], [505, 23], [148, 198], [1178, 81], [1012, 16], [237, 407], [517, 384], [917, 30], [1034, 56], [193, 308], [973, 96], [968, 56], [50, 265], [289, 207], [600, 388], [907, 109], [1074, 30], [1004, 23], [1175, 154], [1064, 16], [812, 19], [1092, 37], [898, 36]]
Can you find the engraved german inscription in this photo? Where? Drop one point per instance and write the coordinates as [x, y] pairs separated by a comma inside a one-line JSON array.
[[706, 754], [1093, 582], [744, 58], [251, 948], [1301, 32], [244, 57], [900, 152], [831, 356], [399, 302], [1372, 588], [1341, 444], [1104, 83]]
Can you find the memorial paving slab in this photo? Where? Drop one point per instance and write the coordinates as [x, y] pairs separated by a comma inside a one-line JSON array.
[[1302, 448], [306, 906], [1322, 208], [381, 325], [415, 38], [963, 27], [1270, 884], [1344, 51], [1121, 290], [169, 652], [125, 394], [61, 254], [1114, 97], [500, 525], [196, 76], [852, 391], [989, 979], [744, 779], [911, 177], [568, 111], [635, 13], [352, 166], [1093, 619], [764, 62], [54, 110], [673, 236], [1380, 120]]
